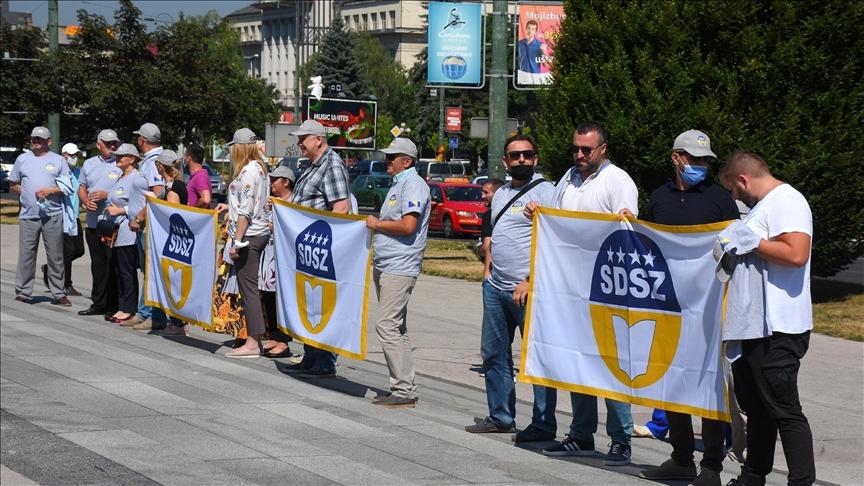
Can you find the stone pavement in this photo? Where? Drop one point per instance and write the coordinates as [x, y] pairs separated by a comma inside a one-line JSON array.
[[84, 401]]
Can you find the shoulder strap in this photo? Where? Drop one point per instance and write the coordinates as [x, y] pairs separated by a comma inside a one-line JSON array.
[[515, 198]]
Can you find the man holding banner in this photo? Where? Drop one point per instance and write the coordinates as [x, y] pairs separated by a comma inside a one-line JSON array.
[[400, 239], [593, 184], [324, 185]]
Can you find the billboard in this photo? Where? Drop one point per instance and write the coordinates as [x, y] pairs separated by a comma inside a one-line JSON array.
[[537, 34], [350, 124], [455, 41], [453, 119]]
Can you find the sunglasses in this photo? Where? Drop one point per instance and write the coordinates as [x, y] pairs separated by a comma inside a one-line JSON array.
[[392, 157], [575, 149], [528, 154], [38, 140]]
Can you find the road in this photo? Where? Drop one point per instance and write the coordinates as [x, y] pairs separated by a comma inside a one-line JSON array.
[[109, 405]]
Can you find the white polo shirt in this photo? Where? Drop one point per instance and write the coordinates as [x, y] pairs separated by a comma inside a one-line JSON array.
[[608, 191], [788, 308]]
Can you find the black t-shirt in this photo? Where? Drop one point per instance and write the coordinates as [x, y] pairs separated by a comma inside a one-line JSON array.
[[179, 187], [701, 204], [486, 224]]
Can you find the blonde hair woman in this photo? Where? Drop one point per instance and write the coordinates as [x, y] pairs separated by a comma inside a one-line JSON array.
[[248, 232]]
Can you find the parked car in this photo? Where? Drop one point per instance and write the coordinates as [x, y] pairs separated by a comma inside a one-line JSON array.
[[297, 164], [457, 208], [434, 171], [4, 181], [367, 167], [371, 190], [218, 187]]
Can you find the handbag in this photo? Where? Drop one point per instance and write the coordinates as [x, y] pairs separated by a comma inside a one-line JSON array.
[[107, 231]]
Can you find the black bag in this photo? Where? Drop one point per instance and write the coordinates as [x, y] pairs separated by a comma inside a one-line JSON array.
[[105, 228]]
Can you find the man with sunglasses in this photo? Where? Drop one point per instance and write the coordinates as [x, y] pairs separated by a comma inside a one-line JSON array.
[[505, 292], [400, 239], [97, 177], [689, 199], [33, 177], [593, 184]]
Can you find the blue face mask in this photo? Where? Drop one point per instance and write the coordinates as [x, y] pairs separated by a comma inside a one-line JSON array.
[[694, 174]]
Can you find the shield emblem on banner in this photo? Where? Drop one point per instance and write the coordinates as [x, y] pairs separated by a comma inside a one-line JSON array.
[[634, 311], [170, 268], [315, 282], [177, 258]]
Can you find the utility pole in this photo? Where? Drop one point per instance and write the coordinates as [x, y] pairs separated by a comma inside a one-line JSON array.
[[54, 117], [498, 90], [441, 135]]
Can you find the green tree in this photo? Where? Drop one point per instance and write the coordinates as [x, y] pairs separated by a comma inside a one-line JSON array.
[[781, 78], [20, 108], [336, 62]]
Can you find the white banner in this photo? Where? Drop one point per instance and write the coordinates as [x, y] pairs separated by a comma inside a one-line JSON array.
[[626, 310], [181, 261], [323, 272]]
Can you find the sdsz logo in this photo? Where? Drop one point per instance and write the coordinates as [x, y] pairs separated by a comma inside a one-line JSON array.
[[634, 309], [315, 282], [176, 261]]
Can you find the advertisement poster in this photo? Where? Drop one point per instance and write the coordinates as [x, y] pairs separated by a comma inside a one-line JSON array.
[[350, 124], [537, 34], [455, 44]]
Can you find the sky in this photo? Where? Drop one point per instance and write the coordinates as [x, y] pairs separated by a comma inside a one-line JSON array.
[[149, 8]]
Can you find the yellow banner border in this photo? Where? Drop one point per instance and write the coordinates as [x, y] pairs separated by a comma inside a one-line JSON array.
[[364, 316], [158, 305], [600, 392]]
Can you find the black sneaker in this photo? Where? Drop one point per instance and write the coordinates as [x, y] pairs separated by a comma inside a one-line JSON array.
[[392, 401], [532, 434], [303, 366], [571, 447], [619, 455], [72, 291], [318, 373], [706, 477], [487, 426], [670, 471]]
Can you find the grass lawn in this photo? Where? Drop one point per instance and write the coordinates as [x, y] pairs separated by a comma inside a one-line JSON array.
[[838, 308], [8, 211]]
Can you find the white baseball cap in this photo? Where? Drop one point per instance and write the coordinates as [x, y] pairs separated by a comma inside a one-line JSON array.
[[69, 148], [695, 143]]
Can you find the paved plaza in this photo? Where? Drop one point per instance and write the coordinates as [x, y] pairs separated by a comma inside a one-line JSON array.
[[87, 402]]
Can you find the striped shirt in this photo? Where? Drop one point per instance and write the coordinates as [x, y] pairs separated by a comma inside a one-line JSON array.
[[323, 183]]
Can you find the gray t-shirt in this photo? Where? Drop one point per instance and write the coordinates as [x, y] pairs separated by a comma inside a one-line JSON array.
[[98, 174], [147, 168], [36, 173], [403, 255], [127, 192], [511, 237]]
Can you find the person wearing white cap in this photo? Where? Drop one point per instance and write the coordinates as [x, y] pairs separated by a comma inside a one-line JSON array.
[[771, 335], [400, 240], [248, 230], [324, 185], [688, 199], [33, 177], [97, 177], [124, 200], [73, 235], [150, 145]]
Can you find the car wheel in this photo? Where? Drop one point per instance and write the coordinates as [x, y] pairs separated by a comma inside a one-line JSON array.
[[376, 203], [448, 228]]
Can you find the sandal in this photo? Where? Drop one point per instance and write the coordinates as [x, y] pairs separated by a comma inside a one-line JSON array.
[[285, 353]]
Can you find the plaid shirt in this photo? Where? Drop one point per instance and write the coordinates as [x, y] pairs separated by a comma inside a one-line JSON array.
[[323, 183]]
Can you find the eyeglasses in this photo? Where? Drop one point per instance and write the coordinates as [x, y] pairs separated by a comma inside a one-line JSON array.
[[38, 140], [528, 154], [392, 157], [575, 149]]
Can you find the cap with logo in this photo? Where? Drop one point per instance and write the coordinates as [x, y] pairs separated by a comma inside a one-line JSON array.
[[108, 135], [283, 171], [694, 143], [403, 146], [69, 148], [150, 132], [310, 127], [243, 136], [41, 132], [127, 149], [725, 262], [168, 157]]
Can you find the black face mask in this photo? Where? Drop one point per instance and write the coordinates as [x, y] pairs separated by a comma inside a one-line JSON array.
[[521, 172]]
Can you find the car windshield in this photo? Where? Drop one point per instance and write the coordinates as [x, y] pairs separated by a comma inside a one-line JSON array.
[[464, 193], [382, 182], [439, 169], [211, 170], [379, 167]]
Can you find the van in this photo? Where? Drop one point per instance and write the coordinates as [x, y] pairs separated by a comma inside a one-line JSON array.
[[367, 167], [436, 171]]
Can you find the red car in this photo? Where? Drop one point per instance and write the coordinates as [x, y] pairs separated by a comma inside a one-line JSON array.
[[457, 208]]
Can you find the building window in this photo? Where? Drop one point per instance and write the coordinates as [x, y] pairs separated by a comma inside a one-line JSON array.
[[392, 19], [356, 22], [347, 20], [383, 16], [365, 22], [374, 21]]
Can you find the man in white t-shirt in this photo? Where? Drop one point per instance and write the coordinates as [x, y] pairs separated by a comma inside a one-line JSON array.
[[594, 184], [778, 230]]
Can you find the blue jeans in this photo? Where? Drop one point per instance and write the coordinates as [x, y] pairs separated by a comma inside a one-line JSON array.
[[321, 359], [619, 422], [146, 311], [501, 317]]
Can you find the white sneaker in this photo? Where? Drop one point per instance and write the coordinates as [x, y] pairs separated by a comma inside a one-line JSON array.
[[642, 432]]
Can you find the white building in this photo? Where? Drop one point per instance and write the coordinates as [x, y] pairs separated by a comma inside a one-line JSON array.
[[397, 24]]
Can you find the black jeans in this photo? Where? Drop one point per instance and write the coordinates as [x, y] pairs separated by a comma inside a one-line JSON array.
[[681, 438], [268, 300], [104, 293], [125, 261], [73, 248], [766, 383]]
